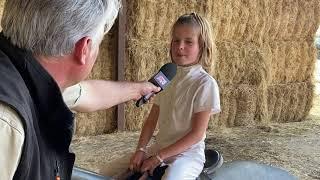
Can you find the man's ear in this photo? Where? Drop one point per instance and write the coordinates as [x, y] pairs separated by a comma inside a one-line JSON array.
[[82, 50]]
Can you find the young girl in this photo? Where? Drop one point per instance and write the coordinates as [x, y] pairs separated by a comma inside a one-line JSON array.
[[183, 109]]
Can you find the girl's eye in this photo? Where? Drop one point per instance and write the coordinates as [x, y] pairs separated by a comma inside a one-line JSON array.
[[176, 41]]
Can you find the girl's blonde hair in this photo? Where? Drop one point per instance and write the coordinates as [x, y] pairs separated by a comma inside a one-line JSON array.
[[205, 40]]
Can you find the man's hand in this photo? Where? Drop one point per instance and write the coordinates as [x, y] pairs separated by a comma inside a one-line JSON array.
[[145, 88]]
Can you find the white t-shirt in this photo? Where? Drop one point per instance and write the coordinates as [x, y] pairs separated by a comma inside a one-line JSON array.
[[192, 90]]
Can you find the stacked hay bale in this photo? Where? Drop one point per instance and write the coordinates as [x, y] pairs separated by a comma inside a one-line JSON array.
[[265, 55], [103, 121]]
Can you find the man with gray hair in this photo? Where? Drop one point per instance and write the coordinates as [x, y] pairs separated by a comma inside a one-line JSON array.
[[46, 48]]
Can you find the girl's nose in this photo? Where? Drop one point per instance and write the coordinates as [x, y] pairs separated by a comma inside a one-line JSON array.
[[181, 46]]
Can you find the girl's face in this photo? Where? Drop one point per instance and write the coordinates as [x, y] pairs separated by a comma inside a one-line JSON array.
[[184, 45]]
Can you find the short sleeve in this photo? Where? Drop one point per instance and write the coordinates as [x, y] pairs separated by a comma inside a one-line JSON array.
[[207, 97], [71, 95]]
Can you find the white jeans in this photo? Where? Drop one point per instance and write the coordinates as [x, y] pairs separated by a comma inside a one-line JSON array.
[[185, 166]]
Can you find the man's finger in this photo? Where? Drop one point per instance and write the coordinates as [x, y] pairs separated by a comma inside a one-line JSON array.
[[151, 171], [157, 89], [144, 176], [137, 168], [144, 168], [131, 167], [154, 88]]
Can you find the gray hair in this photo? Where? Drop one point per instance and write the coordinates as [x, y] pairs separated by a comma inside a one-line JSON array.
[[53, 27]]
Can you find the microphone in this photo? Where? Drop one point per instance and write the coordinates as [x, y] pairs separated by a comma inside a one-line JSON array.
[[161, 79]]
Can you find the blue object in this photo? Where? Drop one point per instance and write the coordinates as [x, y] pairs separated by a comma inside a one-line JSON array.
[[249, 170], [82, 174], [236, 170]]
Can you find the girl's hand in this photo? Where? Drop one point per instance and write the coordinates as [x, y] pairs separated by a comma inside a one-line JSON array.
[[144, 176], [136, 160], [150, 164]]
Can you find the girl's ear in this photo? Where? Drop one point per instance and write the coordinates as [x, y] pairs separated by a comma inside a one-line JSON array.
[[82, 50]]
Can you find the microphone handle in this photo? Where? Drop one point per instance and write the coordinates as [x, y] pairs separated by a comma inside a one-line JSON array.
[[144, 99]]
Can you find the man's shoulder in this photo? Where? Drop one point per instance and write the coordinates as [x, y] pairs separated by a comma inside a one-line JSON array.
[[13, 89], [8, 72], [9, 117]]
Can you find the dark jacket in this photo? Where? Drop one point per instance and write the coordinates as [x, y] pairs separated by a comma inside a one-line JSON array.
[[48, 123]]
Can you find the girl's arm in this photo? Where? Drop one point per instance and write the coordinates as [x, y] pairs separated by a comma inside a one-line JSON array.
[[199, 126], [145, 136], [149, 127]]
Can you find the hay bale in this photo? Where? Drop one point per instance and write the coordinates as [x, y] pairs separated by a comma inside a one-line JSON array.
[[144, 60], [304, 95], [144, 16], [100, 122], [232, 102], [221, 119], [136, 116], [290, 102], [150, 19], [278, 106], [103, 121], [241, 105], [265, 55], [289, 61], [246, 105], [238, 106], [259, 44], [260, 21], [239, 63], [261, 115]]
